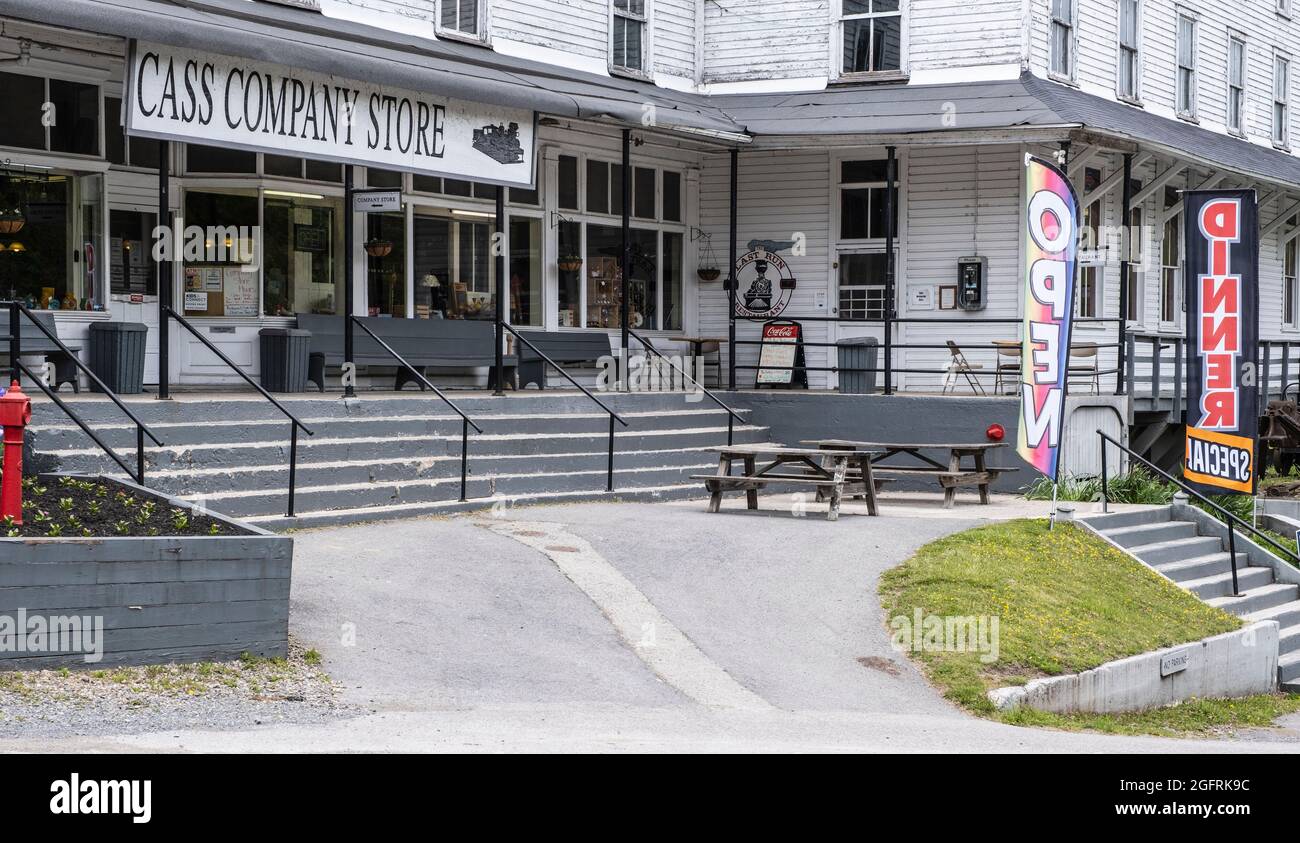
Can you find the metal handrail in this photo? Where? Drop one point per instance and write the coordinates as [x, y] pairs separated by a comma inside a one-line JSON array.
[[732, 415], [53, 396], [295, 422], [1227, 517], [141, 429], [609, 473], [465, 421]]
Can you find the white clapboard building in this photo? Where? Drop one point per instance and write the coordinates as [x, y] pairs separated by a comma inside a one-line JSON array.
[[809, 100]]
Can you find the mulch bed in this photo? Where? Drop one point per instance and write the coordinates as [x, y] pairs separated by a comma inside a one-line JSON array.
[[86, 507]]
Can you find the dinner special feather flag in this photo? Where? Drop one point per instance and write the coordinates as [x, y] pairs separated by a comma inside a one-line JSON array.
[[1051, 250]]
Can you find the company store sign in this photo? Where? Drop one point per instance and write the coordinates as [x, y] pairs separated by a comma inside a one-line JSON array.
[[225, 101]]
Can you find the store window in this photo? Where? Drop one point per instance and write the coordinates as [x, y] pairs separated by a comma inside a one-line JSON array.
[[1290, 281], [385, 247], [219, 159], [122, 150], [1092, 263], [221, 253], [131, 267], [568, 182], [525, 271], [302, 240], [672, 196], [51, 243], [605, 278], [672, 281], [291, 167], [454, 271], [50, 114], [570, 263], [1171, 250]]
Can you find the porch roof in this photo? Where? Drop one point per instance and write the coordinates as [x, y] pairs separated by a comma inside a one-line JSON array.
[[306, 39], [1026, 102]]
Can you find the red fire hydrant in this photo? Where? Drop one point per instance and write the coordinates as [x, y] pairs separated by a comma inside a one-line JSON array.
[[15, 413]]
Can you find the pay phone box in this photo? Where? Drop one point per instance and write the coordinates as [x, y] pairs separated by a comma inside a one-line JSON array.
[[972, 275]]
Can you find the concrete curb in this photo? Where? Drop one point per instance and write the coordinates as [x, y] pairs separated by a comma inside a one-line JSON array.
[[1234, 664]]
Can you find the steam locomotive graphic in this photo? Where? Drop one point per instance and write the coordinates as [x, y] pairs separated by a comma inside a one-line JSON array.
[[500, 143]]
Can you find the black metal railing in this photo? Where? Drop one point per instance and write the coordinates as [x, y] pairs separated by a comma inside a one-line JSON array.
[[1233, 522], [888, 369], [613, 416], [465, 421], [16, 311], [732, 415], [295, 424]]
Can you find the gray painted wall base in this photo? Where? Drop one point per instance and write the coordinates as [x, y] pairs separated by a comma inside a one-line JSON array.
[[165, 599]]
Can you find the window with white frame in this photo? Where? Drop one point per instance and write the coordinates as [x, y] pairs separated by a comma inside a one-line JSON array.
[[628, 35], [1284, 7], [1063, 38], [1171, 250], [1290, 294], [1129, 79], [1236, 83], [462, 17], [1134, 251], [1186, 82], [1281, 100], [1092, 254], [871, 33]]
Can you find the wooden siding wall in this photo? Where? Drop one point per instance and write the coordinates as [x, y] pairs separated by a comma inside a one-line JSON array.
[[1264, 29]]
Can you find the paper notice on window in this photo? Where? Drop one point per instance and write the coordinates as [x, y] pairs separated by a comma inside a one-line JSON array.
[[241, 292], [196, 301]]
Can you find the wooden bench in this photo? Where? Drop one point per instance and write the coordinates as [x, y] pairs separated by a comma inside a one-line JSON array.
[[425, 343], [561, 346], [33, 341]]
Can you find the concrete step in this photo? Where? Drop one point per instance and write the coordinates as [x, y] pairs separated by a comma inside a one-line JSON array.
[[1178, 549], [1220, 585], [214, 480], [1289, 639], [348, 496], [382, 448], [1104, 522], [1183, 570], [308, 519], [1148, 534], [64, 437], [1288, 669], [1256, 599], [1286, 615]]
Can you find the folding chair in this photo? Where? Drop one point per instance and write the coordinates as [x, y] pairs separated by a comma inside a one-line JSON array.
[[959, 365]]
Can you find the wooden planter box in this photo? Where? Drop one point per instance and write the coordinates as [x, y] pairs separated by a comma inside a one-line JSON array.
[[161, 599]]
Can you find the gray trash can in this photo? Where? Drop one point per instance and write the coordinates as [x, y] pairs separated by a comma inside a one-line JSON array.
[[285, 355], [117, 355], [857, 353]]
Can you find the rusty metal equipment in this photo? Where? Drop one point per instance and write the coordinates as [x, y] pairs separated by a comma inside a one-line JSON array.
[[1279, 435]]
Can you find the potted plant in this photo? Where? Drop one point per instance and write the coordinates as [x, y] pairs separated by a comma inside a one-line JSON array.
[[708, 269], [569, 262]]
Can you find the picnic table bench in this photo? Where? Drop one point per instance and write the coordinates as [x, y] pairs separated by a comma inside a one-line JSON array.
[[823, 470], [951, 477]]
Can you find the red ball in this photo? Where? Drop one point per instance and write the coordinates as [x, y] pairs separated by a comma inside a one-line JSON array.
[[996, 433]]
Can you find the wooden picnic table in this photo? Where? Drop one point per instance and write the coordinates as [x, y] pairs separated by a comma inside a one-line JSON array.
[[951, 476], [827, 471]]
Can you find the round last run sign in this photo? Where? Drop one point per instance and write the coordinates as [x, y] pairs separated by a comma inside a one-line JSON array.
[[1221, 460]]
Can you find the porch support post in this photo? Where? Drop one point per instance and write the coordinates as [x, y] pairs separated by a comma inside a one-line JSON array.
[[164, 269], [503, 292], [731, 275], [1125, 274], [627, 258], [891, 179], [349, 280]]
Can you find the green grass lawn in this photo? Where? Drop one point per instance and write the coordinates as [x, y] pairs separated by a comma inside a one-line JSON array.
[[1065, 602]]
